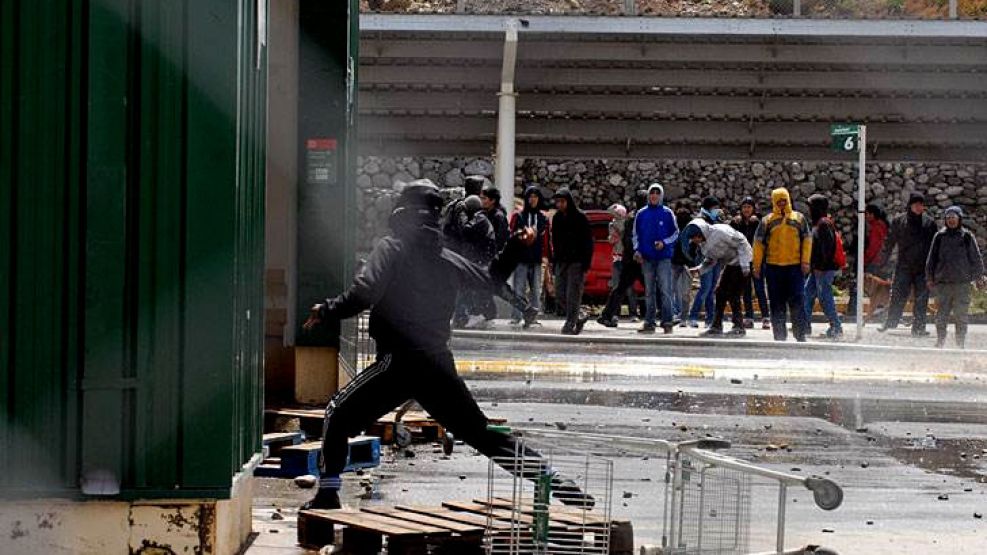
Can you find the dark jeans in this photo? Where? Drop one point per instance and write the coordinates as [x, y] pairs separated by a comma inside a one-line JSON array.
[[705, 297], [729, 289], [430, 379], [901, 287], [755, 286], [954, 299], [787, 293], [630, 272], [569, 288]]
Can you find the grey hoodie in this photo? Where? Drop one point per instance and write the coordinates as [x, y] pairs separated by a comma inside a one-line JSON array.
[[724, 245]]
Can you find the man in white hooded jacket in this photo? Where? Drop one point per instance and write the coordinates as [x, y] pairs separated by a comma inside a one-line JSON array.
[[723, 245]]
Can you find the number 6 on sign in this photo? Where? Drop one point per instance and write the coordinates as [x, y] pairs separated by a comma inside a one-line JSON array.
[[850, 143]]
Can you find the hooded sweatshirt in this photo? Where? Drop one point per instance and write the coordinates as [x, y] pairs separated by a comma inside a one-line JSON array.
[[655, 223], [572, 238], [410, 283], [823, 235], [913, 235], [724, 245], [534, 218], [954, 256], [783, 238]]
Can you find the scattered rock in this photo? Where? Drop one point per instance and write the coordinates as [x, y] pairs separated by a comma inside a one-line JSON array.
[[736, 381], [306, 481], [943, 497], [277, 516]]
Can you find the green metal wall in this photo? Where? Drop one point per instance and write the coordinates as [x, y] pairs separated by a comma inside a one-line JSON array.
[[131, 244]]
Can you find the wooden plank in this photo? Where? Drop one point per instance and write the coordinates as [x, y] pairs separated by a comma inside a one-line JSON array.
[[569, 515], [419, 518], [372, 523], [457, 516], [304, 447], [499, 514]]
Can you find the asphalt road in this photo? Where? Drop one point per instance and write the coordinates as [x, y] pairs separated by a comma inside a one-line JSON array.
[[902, 429]]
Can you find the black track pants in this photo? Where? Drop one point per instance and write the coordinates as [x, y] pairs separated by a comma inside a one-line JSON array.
[[430, 379]]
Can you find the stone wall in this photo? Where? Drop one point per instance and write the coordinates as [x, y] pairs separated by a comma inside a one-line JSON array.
[[598, 183]]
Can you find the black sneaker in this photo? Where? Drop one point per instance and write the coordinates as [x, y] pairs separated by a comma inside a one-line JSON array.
[[712, 332], [736, 332], [325, 499], [883, 328], [580, 323], [667, 328], [647, 328], [568, 493], [606, 323]]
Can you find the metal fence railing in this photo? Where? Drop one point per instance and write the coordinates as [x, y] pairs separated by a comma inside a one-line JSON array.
[[825, 9]]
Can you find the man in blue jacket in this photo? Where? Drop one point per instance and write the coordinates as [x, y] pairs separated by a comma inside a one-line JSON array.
[[655, 234]]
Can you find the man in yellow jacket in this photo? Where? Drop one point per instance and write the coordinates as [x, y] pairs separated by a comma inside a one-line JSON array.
[[783, 244]]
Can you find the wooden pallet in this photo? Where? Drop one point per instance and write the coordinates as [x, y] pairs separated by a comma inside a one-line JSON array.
[[458, 527], [406, 532]]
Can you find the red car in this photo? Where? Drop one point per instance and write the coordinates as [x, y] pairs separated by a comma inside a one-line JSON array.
[[598, 276]]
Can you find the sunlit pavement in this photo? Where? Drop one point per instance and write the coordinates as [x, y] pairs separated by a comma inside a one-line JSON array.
[[623, 352], [900, 425]]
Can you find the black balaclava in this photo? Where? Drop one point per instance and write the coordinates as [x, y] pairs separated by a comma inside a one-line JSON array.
[[415, 217]]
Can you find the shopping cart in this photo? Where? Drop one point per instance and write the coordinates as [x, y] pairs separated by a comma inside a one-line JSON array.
[[521, 517], [706, 502]]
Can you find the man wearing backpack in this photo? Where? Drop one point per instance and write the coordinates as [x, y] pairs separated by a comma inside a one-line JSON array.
[[827, 258], [954, 261]]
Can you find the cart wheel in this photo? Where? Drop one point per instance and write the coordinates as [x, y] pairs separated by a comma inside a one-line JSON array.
[[826, 493], [401, 435], [448, 441]]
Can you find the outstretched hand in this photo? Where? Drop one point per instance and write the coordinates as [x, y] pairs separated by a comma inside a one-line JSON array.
[[314, 317]]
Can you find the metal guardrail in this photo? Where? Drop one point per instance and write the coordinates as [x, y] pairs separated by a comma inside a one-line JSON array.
[[802, 9]]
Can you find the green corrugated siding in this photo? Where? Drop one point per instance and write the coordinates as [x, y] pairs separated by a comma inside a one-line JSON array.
[[131, 243]]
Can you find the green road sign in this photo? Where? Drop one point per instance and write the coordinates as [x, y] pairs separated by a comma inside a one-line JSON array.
[[846, 137]]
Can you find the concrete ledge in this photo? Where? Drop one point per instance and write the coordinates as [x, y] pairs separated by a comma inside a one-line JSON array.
[[160, 526]]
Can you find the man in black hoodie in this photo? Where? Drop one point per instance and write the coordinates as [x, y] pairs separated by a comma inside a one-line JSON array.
[[410, 283], [954, 261], [746, 222], [572, 247], [497, 216], [455, 223], [823, 267], [912, 233], [528, 274]]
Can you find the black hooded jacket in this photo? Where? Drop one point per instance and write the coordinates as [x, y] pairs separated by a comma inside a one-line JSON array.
[[954, 257], [410, 285], [534, 218], [913, 236], [572, 238], [823, 235]]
